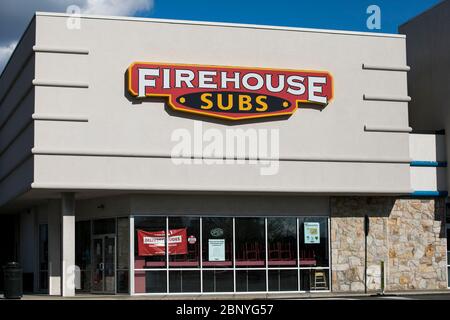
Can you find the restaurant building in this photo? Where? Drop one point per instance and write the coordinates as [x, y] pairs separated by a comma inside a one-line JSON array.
[[144, 156]]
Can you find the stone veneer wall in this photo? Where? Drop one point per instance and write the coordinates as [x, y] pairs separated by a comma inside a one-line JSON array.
[[407, 234]]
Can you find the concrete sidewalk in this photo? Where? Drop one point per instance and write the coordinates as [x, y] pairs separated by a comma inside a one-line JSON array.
[[242, 296]]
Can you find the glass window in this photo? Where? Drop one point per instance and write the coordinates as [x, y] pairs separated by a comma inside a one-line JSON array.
[[149, 243], [250, 242], [313, 233], [448, 240], [448, 249], [282, 242], [184, 281], [217, 244], [83, 254], [150, 282], [43, 256], [123, 243], [218, 281], [283, 280], [184, 242], [250, 280], [292, 243], [123, 254], [104, 226], [122, 281], [314, 279]]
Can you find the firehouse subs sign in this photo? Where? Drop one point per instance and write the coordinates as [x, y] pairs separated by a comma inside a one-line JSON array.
[[232, 93]]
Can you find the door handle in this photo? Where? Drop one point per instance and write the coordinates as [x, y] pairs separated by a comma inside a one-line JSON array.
[[101, 266]]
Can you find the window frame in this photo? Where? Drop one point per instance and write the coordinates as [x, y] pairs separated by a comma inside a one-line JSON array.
[[201, 269]]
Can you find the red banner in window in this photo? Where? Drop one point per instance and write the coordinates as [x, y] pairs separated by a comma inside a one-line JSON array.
[[152, 243]]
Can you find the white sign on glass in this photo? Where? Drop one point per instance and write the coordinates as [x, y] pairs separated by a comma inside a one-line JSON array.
[[216, 249], [312, 232]]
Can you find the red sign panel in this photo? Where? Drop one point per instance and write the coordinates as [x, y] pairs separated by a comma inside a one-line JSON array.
[[152, 243], [232, 93]]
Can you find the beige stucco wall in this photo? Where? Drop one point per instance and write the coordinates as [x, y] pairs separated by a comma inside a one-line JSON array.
[[126, 145]]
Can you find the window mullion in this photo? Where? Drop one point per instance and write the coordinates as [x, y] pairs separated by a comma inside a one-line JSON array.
[[298, 254], [267, 256], [234, 254], [167, 254], [201, 254]]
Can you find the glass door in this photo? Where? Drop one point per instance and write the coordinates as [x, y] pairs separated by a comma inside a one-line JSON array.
[[104, 264], [109, 264]]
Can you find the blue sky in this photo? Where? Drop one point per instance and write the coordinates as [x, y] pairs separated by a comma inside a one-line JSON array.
[[323, 14]]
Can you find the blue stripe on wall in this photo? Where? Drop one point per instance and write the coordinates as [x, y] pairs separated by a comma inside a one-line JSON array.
[[419, 193], [428, 164]]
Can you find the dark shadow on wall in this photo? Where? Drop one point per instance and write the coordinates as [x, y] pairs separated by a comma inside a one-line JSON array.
[[445, 218], [354, 207], [379, 206], [311, 106], [359, 206], [9, 229], [441, 153]]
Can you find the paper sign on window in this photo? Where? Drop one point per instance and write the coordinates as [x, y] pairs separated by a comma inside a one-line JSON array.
[[312, 232], [216, 249]]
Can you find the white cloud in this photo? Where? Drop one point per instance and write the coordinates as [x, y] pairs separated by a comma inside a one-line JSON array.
[[16, 14], [5, 53], [116, 7]]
